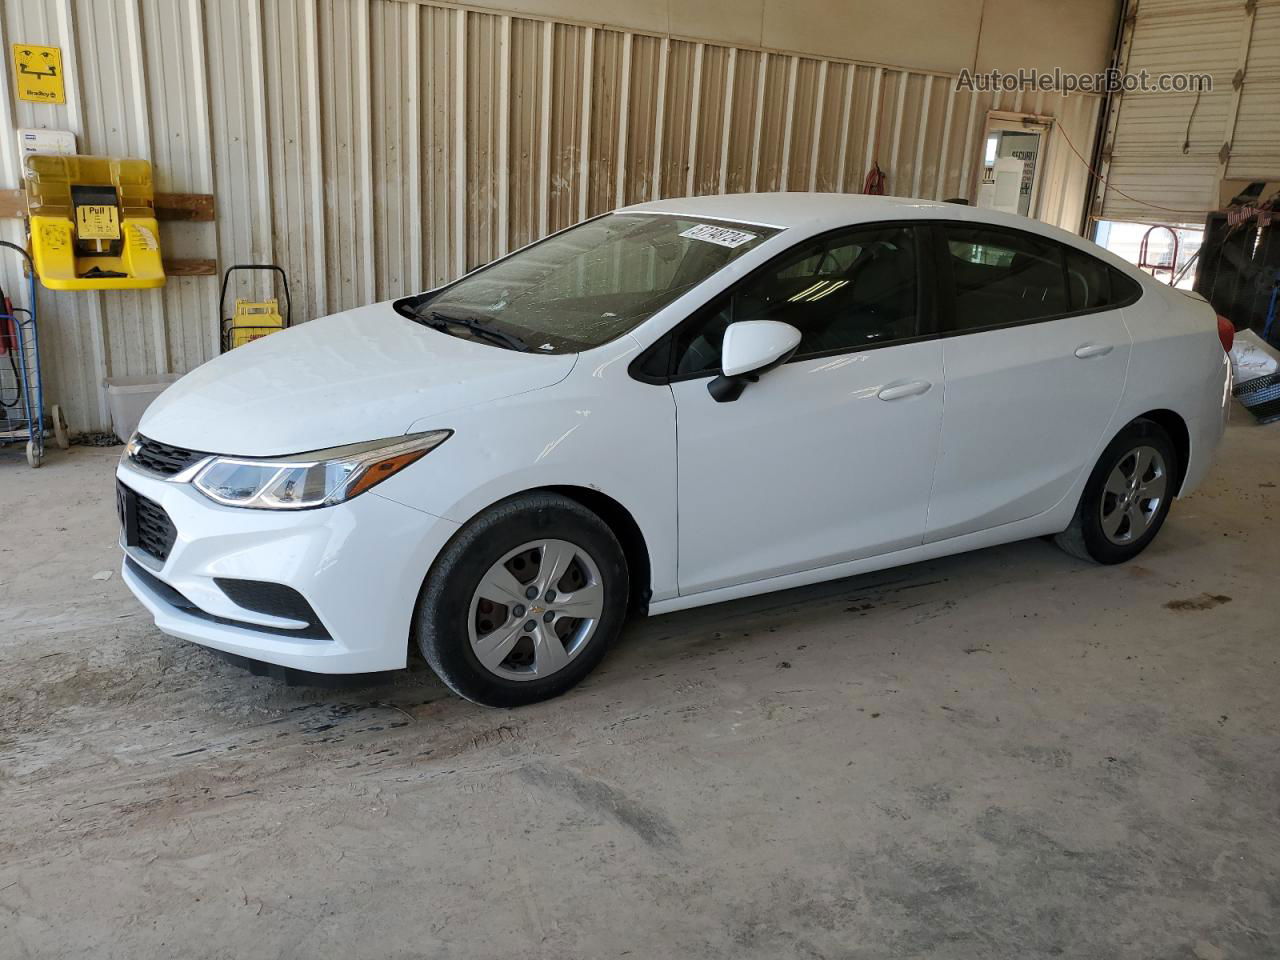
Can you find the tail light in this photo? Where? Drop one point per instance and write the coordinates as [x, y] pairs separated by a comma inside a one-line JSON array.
[[1226, 332]]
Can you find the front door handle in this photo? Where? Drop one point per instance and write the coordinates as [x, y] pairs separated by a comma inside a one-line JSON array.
[[1093, 350], [900, 390]]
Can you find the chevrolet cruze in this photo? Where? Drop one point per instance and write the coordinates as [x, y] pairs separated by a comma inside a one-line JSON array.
[[675, 404]]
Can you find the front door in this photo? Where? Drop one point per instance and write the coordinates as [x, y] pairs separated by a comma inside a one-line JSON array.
[[829, 457]]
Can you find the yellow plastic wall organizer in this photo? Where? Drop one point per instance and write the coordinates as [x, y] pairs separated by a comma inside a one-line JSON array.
[[93, 223], [252, 321]]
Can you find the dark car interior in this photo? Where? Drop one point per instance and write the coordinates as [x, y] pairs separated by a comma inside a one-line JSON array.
[[842, 294], [1023, 287]]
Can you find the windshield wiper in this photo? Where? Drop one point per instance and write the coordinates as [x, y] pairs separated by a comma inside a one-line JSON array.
[[475, 325]]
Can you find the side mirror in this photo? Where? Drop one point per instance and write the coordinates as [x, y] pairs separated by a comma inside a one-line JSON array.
[[750, 348]]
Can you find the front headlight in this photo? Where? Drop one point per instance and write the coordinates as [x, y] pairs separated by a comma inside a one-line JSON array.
[[315, 479]]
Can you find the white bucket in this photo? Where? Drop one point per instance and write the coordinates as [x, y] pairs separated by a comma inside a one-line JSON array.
[[129, 397]]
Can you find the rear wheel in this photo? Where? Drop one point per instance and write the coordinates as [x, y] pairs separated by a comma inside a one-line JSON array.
[[524, 601], [1127, 497]]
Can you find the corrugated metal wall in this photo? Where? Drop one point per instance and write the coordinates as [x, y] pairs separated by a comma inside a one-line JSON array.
[[377, 147], [1168, 152], [1255, 145]]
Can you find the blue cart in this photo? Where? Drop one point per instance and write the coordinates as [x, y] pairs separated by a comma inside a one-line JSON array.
[[21, 393]]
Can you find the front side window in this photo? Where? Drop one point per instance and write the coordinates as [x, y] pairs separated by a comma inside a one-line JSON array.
[[1002, 277], [588, 285], [844, 292]]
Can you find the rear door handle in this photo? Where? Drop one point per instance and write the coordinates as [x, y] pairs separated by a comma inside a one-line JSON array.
[[1093, 350], [900, 390]]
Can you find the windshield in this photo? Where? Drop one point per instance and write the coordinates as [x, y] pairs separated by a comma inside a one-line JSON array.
[[585, 286]]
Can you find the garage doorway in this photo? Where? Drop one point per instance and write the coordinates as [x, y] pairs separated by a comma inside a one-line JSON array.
[[1013, 150]]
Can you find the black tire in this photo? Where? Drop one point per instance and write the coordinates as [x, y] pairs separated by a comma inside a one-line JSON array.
[[444, 604], [1085, 538]]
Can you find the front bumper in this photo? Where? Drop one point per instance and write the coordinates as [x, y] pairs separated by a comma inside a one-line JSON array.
[[359, 565]]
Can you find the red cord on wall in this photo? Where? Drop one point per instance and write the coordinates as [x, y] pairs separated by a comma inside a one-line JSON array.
[[875, 182], [8, 335]]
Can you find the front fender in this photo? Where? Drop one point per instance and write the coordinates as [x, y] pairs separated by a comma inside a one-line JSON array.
[[617, 438]]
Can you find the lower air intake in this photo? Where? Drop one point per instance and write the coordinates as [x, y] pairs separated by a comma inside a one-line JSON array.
[[275, 600]]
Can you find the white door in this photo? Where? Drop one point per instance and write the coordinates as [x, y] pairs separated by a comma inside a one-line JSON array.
[[829, 457], [1035, 368], [1012, 168]]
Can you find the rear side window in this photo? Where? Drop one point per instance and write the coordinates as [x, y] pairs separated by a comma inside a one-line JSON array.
[[1088, 281], [1000, 277], [1093, 285], [1124, 290]]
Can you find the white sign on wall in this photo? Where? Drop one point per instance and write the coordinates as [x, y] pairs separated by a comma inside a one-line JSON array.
[[60, 142]]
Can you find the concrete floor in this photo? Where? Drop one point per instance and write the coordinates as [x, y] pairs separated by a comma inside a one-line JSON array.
[[1008, 754]]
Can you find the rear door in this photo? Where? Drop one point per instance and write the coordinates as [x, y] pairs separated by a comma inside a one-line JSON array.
[[1035, 351]]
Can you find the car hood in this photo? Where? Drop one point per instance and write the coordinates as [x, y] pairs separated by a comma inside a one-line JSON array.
[[361, 375]]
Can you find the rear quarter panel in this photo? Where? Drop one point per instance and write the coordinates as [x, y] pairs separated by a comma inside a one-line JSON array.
[[1178, 364]]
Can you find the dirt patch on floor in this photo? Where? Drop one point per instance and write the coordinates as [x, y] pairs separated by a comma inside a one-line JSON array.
[[1206, 601]]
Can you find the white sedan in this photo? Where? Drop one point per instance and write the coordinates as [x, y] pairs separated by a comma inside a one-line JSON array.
[[675, 404]]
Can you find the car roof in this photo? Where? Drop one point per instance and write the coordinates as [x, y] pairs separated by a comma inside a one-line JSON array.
[[818, 210], [811, 213]]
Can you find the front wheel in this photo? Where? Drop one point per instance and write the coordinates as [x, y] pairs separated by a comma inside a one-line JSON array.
[[1127, 497], [523, 602]]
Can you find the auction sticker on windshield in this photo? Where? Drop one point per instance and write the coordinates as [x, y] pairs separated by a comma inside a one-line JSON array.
[[724, 236]]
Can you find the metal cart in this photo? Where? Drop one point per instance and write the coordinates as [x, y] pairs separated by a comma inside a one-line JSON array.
[[21, 392]]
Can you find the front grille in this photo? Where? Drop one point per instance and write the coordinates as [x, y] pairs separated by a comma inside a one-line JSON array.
[[156, 532], [162, 458], [146, 525]]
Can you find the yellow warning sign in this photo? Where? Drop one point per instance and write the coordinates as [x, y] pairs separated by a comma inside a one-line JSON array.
[[37, 73], [97, 221]]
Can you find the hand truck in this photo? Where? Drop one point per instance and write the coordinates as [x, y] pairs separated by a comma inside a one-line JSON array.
[[253, 319]]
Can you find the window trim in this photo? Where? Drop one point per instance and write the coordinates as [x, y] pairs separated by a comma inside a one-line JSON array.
[[944, 293], [927, 305], [937, 308]]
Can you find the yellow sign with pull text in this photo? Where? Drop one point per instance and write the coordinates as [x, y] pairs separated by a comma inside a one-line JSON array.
[[37, 73], [97, 221]]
